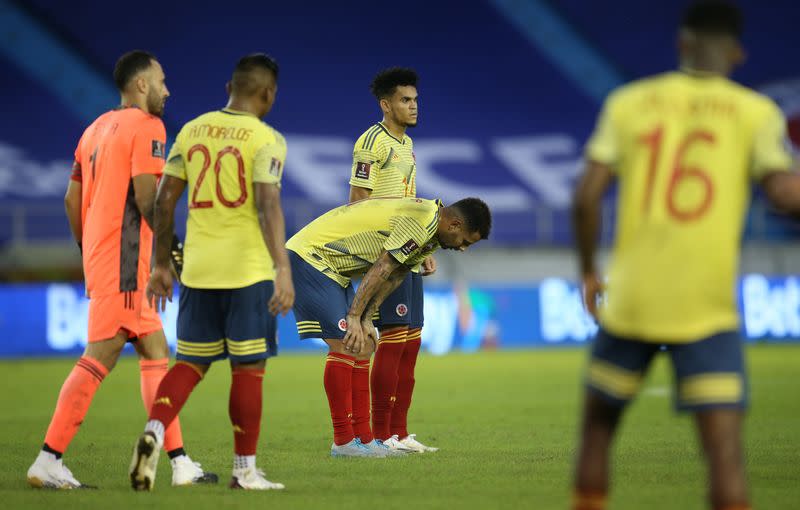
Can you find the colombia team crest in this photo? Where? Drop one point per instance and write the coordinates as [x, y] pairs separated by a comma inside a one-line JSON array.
[[401, 310], [343, 324]]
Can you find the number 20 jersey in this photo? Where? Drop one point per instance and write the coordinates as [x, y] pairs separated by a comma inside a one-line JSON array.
[[684, 149], [220, 154]]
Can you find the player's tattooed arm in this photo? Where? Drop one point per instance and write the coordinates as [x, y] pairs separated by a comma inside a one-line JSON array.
[[373, 286], [386, 288]]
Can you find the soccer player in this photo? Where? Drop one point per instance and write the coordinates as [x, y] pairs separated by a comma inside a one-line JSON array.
[[109, 204], [384, 166], [682, 146], [232, 163], [385, 238]]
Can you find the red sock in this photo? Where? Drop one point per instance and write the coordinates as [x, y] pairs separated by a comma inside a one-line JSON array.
[[361, 402], [585, 500], [173, 392], [339, 388], [405, 383], [244, 408], [152, 371], [384, 378], [74, 400]]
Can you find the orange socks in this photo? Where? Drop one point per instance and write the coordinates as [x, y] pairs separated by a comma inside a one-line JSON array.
[[151, 374], [74, 400]]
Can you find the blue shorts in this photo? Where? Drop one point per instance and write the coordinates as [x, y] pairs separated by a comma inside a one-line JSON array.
[[320, 304], [404, 306], [709, 373], [215, 324]]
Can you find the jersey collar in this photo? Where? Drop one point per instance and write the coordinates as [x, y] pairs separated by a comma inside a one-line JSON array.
[[231, 111], [380, 124]]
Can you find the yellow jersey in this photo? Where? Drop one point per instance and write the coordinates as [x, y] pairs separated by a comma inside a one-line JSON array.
[[384, 164], [220, 155], [684, 149], [346, 241]]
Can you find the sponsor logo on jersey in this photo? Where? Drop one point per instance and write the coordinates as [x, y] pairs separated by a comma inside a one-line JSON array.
[[362, 170], [158, 149], [275, 167], [401, 310], [409, 247]]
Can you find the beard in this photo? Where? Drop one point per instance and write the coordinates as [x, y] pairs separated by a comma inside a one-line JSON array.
[[155, 104]]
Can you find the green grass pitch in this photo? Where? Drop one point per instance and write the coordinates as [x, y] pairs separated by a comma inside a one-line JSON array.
[[505, 422]]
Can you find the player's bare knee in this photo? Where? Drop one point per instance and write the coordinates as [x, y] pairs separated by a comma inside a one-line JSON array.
[[106, 351], [336, 346], [599, 412], [258, 365], [152, 346]]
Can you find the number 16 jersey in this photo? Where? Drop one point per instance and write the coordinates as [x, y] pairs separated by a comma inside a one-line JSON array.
[[220, 155], [684, 149]]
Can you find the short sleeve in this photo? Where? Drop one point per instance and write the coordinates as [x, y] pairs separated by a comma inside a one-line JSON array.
[[770, 145], [269, 161], [407, 240], [367, 161], [603, 145], [149, 148], [176, 165]]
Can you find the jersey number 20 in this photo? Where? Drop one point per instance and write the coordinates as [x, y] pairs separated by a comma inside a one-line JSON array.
[[229, 150]]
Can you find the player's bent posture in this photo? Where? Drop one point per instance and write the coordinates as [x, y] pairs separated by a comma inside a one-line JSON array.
[[682, 147], [117, 162], [384, 166], [384, 238], [236, 274]]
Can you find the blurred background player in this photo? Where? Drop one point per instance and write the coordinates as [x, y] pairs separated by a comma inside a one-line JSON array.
[[113, 185], [384, 239], [234, 250], [384, 166], [683, 147]]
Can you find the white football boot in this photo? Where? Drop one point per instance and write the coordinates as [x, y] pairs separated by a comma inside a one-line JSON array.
[[144, 462], [395, 444], [47, 472], [252, 479], [411, 442], [187, 472]]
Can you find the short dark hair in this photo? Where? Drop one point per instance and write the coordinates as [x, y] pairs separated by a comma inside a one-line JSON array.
[[129, 65], [476, 215], [713, 17], [255, 61], [386, 81]]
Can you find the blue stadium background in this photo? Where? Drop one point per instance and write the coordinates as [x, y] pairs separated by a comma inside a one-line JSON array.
[[509, 90]]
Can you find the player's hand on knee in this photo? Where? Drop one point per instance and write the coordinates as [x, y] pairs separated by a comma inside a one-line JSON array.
[[159, 288], [370, 337], [428, 266], [283, 296], [354, 336]]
